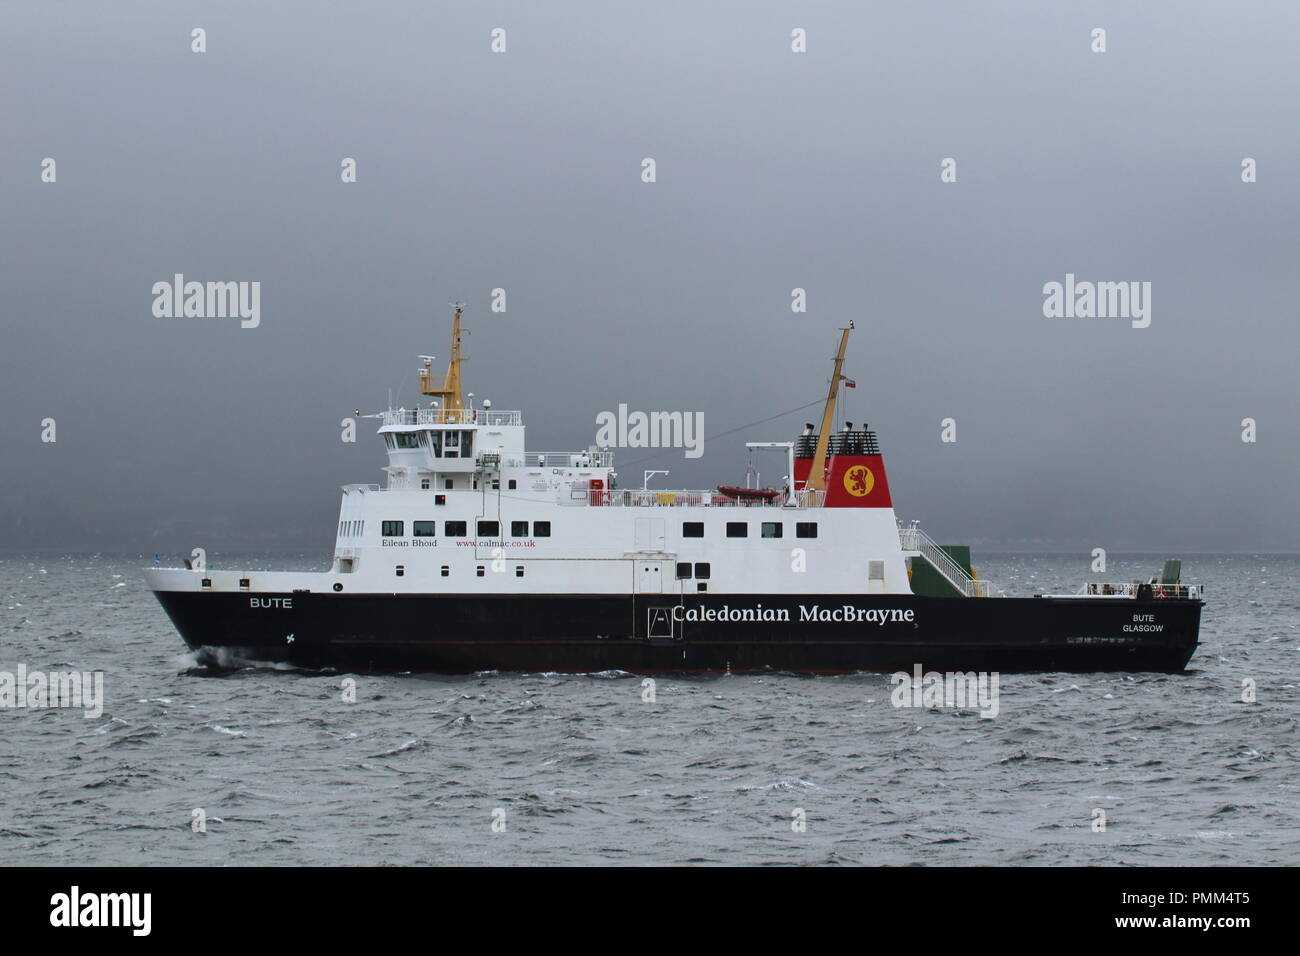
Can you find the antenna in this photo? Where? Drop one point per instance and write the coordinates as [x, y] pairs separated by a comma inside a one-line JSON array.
[[446, 388]]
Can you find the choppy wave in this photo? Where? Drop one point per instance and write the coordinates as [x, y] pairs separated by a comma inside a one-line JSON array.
[[581, 769]]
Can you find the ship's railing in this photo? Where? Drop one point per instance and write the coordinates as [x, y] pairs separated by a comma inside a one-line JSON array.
[[1184, 592], [913, 539], [601, 458], [451, 416], [654, 498]]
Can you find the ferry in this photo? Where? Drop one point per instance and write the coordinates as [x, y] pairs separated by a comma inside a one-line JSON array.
[[476, 554]]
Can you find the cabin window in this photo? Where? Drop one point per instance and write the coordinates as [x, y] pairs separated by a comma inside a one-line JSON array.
[[401, 570], [805, 529], [702, 570], [392, 529], [692, 529], [207, 582], [519, 570], [425, 529], [737, 529], [479, 571], [683, 570], [875, 570], [511, 485], [424, 484], [519, 529], [772, 529], [446, 571], [496, 485], [447, 484], [454, 529], [701, 586], [243, 584], [541, 529], [489, 529]]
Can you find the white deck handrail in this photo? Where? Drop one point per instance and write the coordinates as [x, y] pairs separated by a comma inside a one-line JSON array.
[[913, 539], [1185, 592]]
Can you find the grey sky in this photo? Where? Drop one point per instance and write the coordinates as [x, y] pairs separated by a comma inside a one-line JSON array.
[[775, 170]]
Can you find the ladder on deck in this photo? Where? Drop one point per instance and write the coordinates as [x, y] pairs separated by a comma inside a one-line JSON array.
[[916, 543]]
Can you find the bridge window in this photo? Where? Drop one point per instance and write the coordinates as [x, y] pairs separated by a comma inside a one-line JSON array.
[[541, 529], [489, 529], [805, 529], [392, 529], [772, 529], [519, 529], [425, 529], [737, 529], [702, 570], [457, 444], [692, 529], [683, 570], [455, 529], [406, 440]]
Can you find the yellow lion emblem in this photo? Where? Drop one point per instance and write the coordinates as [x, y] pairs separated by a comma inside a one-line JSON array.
[[858, 481]]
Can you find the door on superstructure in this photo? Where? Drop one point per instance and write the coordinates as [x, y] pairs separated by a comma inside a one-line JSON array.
[[649, 534], [650, 576]]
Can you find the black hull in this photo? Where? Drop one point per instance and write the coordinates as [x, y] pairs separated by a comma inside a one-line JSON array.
[[456, 634]]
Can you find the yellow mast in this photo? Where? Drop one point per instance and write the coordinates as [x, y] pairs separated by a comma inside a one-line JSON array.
[[447, 388], [817, 475]]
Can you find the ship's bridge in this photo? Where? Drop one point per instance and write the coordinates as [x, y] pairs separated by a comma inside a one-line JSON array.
[[451, 441]]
